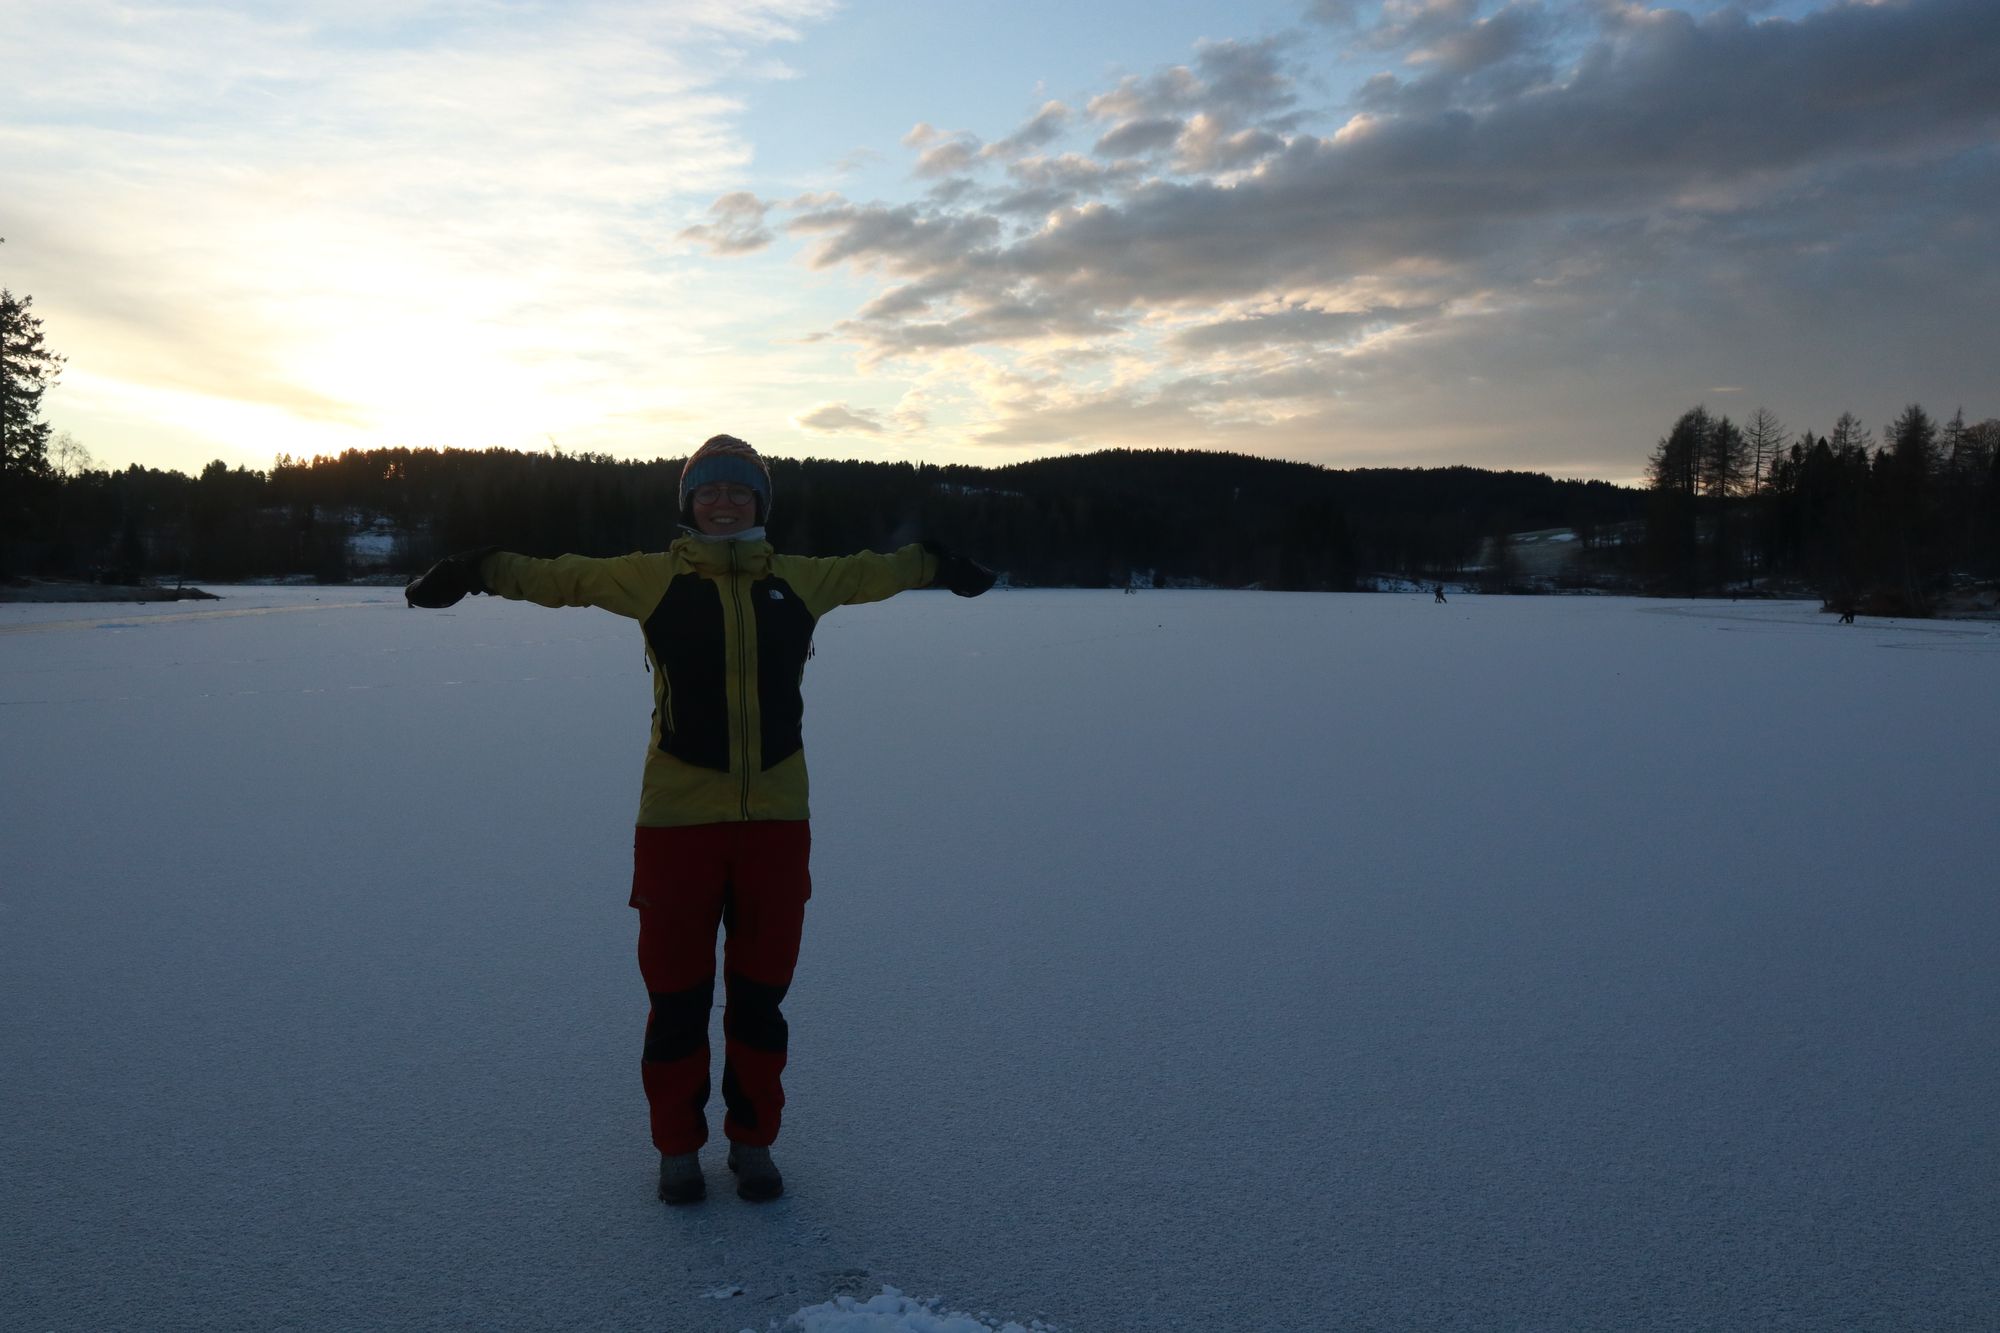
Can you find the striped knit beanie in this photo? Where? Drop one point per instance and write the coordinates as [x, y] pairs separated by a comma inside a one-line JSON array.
[[731, 462]]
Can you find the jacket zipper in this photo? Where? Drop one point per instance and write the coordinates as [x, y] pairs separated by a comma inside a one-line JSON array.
[[742, 675]]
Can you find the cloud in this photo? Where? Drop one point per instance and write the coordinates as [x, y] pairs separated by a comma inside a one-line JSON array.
[[995, 320], [1041, 185], [736, 226], [1540, 202], [1138, 137], [856, 160], [1201, 111], [1295, 325], [1233, 80], [434, 223], [1247, 78], [895, 238], [1415, 22], [1044, 128], [1334, 13], [1486, 63], [840, 419], [1627, 136], [1517, 29], [1163, 95], [941, 153], [1204, 145]]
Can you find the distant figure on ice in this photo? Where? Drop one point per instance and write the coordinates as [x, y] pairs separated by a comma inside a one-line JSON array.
[[1847, 613], [1440, 592], [723, 837]]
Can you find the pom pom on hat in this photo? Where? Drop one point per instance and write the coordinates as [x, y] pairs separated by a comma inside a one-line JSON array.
[[728, 461]]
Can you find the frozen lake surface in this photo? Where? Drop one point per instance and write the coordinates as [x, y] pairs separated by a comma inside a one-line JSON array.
[[1183, 960]]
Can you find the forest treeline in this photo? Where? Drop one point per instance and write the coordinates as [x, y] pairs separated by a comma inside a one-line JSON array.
[[1097, 519], [1888, 527]]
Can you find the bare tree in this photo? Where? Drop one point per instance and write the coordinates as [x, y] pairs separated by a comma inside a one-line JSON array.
[[1850, 436], [1975, 450], [69, 455], [1766, 435], [1673, 535]]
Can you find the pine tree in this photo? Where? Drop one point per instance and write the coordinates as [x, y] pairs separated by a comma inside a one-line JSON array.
[[1910, 466], [1725, 460], [1677, 461], [27, 369], [1913, 446]]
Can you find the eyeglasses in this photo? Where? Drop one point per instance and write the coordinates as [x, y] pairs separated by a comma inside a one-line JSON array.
[[736, 495]]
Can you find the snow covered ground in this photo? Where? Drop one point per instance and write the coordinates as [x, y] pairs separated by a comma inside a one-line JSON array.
[[1188, 960]]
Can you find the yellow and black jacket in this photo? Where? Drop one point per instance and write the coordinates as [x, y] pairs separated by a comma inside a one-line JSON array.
[[728, 625]]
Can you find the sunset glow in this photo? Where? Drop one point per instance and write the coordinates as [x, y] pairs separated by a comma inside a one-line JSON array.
[[1512, 234]]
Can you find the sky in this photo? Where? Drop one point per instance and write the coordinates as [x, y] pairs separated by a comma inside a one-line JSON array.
[[1520, 234]]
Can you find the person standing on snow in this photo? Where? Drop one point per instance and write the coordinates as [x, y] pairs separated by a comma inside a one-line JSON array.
[[723, 836]]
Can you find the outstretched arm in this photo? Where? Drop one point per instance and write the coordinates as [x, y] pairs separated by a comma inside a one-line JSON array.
[[869, 576], [629, 585]]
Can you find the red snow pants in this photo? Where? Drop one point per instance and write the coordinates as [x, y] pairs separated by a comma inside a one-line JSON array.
[[751, 880]]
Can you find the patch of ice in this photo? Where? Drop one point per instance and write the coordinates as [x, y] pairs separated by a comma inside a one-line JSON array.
[[893, 1312]]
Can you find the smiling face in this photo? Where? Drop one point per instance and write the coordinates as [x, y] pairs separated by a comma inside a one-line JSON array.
[[723, 509]]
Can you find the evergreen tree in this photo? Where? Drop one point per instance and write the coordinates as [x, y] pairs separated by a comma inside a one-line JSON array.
[[1909, 467], [1913, 445], [1725, 465], [27, 368], [1988, 547], [1965, 459], [1676, 464], [1726, 476]]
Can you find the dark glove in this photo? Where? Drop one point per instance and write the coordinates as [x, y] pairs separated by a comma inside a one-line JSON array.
[[954, 571], [444, 583]]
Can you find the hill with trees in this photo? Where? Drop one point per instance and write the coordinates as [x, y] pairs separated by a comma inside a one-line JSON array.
[[1900, 528], [1106, 518]]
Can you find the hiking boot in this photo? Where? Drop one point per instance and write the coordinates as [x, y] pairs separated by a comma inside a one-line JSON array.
[[757, 1177], [680, 1179]]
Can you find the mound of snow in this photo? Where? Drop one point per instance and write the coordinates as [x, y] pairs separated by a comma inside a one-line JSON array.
[[893, 1312]]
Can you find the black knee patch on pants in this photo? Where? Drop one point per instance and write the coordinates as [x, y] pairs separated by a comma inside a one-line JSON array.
[[752, 1016], [678, 1027], [741, 1109]]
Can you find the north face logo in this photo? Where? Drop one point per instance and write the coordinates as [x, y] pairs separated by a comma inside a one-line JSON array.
[[777, 596]]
